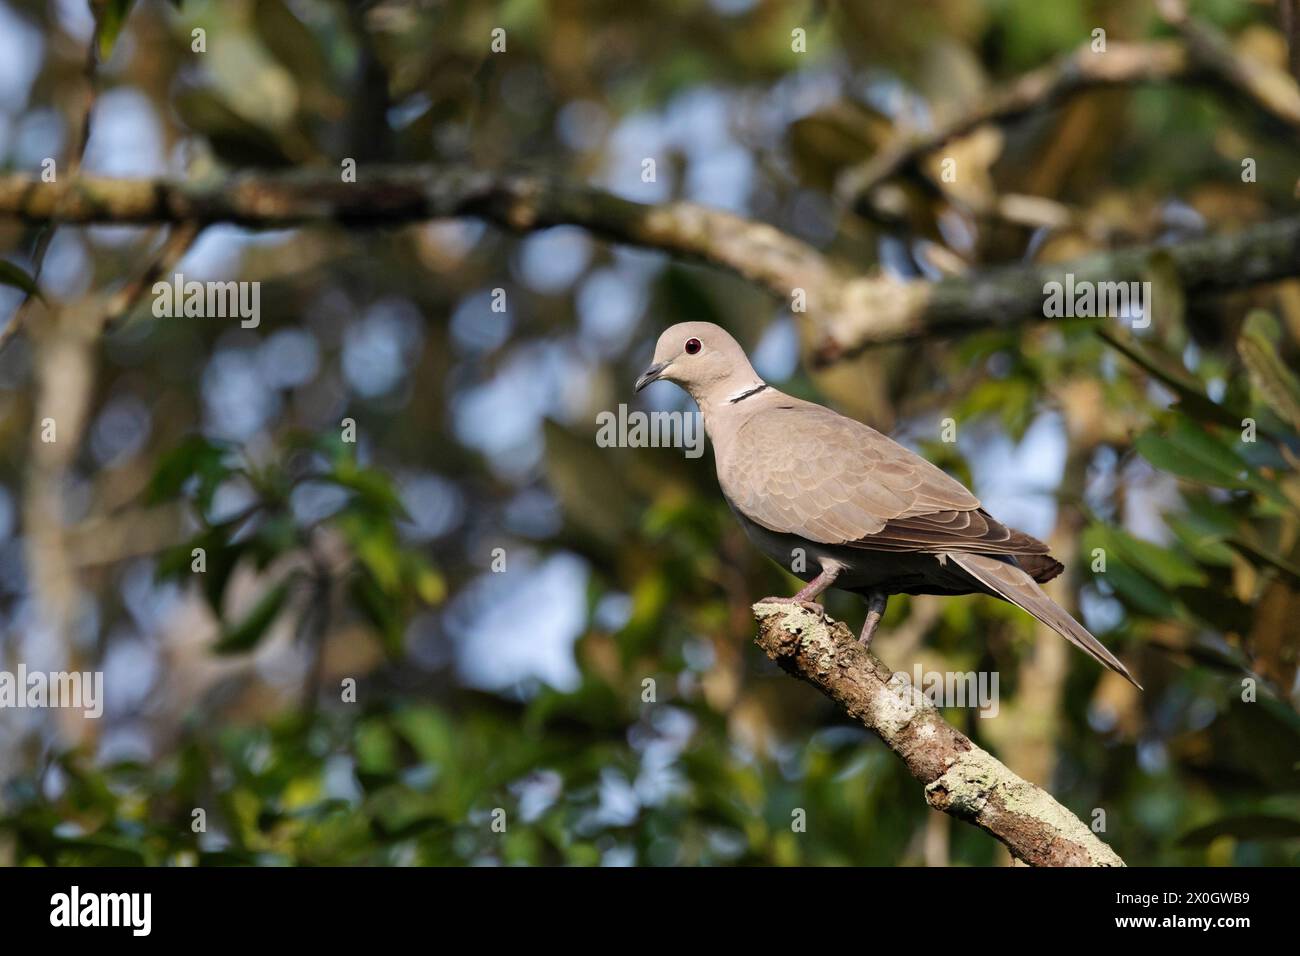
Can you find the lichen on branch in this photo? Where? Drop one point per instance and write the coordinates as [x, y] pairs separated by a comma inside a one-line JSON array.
[[959, 778]]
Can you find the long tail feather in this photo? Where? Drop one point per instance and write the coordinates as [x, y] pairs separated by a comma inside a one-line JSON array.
[[1012, 584]]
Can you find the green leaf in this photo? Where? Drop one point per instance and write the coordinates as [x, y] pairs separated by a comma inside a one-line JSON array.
[[376, 748], [101, 850], [1192, 398], [1013, 400], [275, 536], [235, 139], [290, 42], [378, 609], [378, 550], [428, 584], [1162, 565], [194, 455], [1139, 591], [1277, 385], [1203, 543], [1264, 556], [1128, 573], [244, 635], [372, 487], [220, 556], [1191, 452], [1253, 826], [1165, 566], [1216, 606], [12, 275], [110, 16], [431, 734]]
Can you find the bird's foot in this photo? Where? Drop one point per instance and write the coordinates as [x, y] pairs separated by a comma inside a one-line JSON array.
[[875, 611], [812, 606]]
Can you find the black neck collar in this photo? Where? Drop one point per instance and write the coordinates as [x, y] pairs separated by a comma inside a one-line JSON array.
[[748, 392]]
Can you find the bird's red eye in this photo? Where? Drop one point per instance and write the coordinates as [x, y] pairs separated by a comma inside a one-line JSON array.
[[692, 346]]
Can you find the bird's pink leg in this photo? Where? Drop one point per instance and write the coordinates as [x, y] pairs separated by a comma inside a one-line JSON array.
[[807, 594], [875, 611]]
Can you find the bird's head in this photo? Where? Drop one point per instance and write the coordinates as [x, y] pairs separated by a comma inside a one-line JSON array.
[[702, 358]]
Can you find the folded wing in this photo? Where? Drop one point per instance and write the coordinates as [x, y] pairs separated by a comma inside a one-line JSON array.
[[803, 469]]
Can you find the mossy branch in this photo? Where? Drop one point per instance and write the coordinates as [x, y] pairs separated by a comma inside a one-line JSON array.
[[959, 778]]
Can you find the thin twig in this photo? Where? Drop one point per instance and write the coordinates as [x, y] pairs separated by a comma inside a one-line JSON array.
[[1123, 64], [75, 154], [1289, 21], [1203, 55]]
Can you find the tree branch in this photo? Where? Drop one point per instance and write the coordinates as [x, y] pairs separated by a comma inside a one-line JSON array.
[[80, 121], [1124, 64], [1204, 55], [392, 195], [1289, 22], [960, 778], [875, 310], [1275, 92], [844, 314]]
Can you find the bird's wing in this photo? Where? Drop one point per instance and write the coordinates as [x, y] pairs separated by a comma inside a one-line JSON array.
[[799, 468], [976, 531]]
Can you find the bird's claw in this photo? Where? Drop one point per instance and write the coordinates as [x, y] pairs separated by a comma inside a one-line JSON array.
[[810, 606]]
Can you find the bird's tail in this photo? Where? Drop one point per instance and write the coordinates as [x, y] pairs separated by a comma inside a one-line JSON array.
[[1012, 584]]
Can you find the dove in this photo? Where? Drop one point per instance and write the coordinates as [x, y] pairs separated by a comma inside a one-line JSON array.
[[842, 506]]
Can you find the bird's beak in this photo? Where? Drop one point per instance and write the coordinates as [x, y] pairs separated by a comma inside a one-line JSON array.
[[650, 375]]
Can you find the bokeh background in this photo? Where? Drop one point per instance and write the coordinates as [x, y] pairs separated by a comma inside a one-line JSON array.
[[522, 690]]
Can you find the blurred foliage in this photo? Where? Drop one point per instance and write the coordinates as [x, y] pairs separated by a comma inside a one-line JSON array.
[[350, 680], [385, 577]]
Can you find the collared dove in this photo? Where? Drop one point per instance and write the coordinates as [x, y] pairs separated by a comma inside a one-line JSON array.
[[866, 514]]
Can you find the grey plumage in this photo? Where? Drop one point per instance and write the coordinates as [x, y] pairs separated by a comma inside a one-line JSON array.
[[867, 515]]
